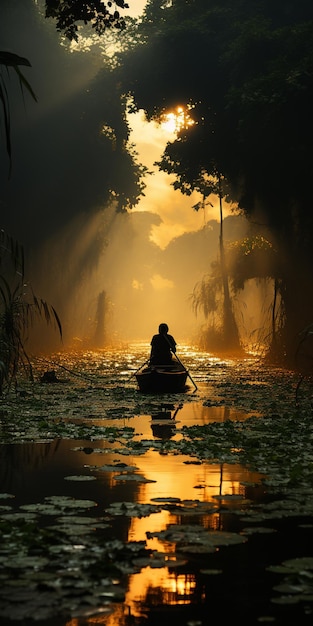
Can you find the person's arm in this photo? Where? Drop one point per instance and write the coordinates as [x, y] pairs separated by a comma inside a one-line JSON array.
[[154, 343], [173, 343]]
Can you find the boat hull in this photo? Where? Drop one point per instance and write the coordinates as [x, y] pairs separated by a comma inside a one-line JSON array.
[[162, 380]]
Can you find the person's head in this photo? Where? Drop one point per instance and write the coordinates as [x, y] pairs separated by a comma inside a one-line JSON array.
[[163, 329]]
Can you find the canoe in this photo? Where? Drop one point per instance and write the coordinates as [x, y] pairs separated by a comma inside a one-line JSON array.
[[162, 379]]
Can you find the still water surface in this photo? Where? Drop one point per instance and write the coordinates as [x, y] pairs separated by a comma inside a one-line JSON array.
[[210, 494]]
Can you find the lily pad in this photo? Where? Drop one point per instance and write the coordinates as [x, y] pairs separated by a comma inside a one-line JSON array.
[[190, 537], [67, 502], [114, 468], [133, 477], [299, 564], [25, 561], [262, 530], [80, 478], [166, 499], [132, 509]]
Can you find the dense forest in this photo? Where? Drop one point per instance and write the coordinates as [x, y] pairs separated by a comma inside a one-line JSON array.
[[243, 74]]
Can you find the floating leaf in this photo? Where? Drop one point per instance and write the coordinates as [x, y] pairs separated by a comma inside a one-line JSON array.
[[15, 517], [251, 530], [299, 564], [194, 537], [81, 478], [133, 477], [70, 503], [131, 509], [44, 509], [201, 548], [114, 468], [21, 561], [287, 599], [168, 499]]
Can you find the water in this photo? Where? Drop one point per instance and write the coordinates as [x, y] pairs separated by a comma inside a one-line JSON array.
[[189, 587]]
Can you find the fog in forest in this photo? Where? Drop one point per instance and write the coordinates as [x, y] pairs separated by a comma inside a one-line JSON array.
[[101, 270]]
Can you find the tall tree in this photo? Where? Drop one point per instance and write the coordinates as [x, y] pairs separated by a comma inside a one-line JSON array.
[[211, 289], [72, 159], [245, 69]]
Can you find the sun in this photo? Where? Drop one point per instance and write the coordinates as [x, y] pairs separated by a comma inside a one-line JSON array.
[[176, 120]]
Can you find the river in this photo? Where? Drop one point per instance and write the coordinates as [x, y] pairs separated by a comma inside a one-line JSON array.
[[119, 527]]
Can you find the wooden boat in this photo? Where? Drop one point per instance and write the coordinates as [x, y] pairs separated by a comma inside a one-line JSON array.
[[162, 378]]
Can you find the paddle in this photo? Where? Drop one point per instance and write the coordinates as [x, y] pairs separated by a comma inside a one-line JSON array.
[[139, 368], [179, 361]]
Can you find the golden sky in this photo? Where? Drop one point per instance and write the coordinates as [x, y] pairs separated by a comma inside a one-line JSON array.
[[174, 208], [135, 7]]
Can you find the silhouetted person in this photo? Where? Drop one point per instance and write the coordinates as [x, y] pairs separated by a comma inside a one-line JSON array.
[[162, 346]]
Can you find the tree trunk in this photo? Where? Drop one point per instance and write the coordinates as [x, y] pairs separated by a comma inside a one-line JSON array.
[[230, 329]]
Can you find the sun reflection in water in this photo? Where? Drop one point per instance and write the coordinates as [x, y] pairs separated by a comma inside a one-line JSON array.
[[201, 490]]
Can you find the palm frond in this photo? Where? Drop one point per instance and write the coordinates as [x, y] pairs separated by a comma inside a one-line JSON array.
[[12, 251], [14, 61], [4, 99], [5, 291], [20, 308], [24, 83]]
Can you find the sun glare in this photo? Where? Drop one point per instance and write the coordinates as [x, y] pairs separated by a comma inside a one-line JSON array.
[[176, 120], [136, 284]]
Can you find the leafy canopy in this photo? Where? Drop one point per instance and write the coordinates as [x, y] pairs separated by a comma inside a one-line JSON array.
[[101, 15]]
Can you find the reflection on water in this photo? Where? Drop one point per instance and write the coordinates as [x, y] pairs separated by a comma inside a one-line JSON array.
[[163, 423], [33, 471]]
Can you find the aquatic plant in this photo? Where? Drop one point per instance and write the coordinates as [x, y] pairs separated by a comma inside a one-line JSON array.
[[19, 308]]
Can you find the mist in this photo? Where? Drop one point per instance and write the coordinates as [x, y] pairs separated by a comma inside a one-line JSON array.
[[100, 269]]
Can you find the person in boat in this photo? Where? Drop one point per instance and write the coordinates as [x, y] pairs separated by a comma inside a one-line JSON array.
[[162, 347]]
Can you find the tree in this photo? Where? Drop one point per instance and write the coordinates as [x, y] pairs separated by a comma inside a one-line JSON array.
[[246, 75], [207, 293], [19, 306], [101, 15], [73, 162]]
